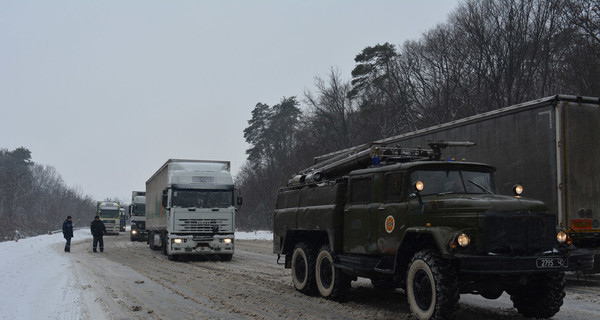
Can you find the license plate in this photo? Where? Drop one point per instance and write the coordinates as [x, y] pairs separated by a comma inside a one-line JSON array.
[[544, 263]]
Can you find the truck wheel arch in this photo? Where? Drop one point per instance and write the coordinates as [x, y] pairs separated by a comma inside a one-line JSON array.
[[412, 243], [309, 237]]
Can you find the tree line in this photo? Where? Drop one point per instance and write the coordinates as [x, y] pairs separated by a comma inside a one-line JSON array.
[[34, 198], [485, 56]]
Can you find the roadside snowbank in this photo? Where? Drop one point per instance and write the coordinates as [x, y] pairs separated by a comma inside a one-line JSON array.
[[35, 277]]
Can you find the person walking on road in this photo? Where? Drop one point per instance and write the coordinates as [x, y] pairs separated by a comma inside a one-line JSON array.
[[98, 230], [68, 232]]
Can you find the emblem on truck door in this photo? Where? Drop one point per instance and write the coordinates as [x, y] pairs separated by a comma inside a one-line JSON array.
[[389, 224]]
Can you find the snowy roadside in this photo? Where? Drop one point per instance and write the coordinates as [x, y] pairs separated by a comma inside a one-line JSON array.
[[36, 277]]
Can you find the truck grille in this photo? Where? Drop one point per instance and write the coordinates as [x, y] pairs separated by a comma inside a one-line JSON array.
[[519, 233], [204, 225]]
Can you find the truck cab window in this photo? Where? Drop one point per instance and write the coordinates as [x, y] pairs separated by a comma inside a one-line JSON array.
[[110, 213], [202, 198], [360, 190], [453, 181], [393, 187]]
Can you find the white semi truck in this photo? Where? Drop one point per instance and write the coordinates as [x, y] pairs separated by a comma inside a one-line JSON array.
[[190, 209], [137, 212], [110, 213]]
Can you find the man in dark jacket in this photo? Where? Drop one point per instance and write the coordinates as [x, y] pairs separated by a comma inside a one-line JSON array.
[[68, 232], [98, 230]]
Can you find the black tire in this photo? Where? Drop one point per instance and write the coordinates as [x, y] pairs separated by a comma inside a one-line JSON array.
[[172, 257], [163, 243], [225, 257], [332, 283], [303, 269], [541, 297], [431, 286], [151, 241]]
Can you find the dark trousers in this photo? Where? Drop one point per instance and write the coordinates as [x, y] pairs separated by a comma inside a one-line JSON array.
[[68, 245], [98, 240]]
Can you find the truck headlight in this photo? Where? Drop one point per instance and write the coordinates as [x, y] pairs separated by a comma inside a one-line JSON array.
[[517, 189], [463, 240], [227, 240], [561, 237], [133, 232], [419, 186], [177, 240]]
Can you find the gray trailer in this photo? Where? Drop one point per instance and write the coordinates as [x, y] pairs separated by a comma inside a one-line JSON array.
[[190, 209], [552, 144]]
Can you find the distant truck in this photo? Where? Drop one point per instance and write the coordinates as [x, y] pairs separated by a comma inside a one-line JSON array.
[[407, 218], [190, 209], [137, 212], [110, 213], [123, 219], [552, 145]]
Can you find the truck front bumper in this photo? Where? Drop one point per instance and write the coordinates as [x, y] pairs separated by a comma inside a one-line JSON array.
[[217, 244], [138, 235], [577, 260]]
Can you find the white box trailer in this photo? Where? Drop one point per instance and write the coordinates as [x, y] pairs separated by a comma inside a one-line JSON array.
[[190, 209], [552, 144]]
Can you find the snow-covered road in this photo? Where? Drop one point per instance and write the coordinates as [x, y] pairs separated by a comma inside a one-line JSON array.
[[130, 281]]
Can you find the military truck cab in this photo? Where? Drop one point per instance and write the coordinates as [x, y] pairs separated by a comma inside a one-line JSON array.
[[433, 228]]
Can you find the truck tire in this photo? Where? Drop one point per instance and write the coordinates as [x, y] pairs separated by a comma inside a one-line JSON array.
[[225, 257], [303, 269], [151, 241], [541, 297], [332, 283], [163, 246], [431, 286]]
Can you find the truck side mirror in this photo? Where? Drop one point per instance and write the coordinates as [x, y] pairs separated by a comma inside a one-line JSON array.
[[165, 198], [239, 201]]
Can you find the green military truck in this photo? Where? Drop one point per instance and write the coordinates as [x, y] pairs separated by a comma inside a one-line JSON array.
[[405, 219]]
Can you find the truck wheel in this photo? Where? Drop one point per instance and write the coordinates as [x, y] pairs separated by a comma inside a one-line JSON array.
[[541, 297], [332, 283], [303, 269], [225, 257], [431, 286], [163, 243], [172, 257], [151, 241]]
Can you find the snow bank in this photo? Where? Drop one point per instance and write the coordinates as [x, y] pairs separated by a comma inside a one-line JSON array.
[[254, 235], [35, 277]]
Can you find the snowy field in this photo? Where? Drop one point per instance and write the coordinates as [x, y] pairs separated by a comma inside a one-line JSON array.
[[35, 277]]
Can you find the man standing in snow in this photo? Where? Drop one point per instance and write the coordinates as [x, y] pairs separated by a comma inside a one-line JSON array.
[[98, 230], [68, 232]]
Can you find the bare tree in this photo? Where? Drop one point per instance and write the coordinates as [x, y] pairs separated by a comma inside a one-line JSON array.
[[330, 110]]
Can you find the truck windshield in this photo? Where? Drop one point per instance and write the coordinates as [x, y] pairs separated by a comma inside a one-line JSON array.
[[454, 181], [107, 213], [139, 209], [202, 198]]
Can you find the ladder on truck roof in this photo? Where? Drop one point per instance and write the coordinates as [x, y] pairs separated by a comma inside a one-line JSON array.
[[372, 154]]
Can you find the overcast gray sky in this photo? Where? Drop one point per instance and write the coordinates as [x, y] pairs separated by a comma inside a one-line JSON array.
[[107, 91]]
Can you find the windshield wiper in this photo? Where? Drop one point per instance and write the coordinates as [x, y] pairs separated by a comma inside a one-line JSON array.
[[480, 186]]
